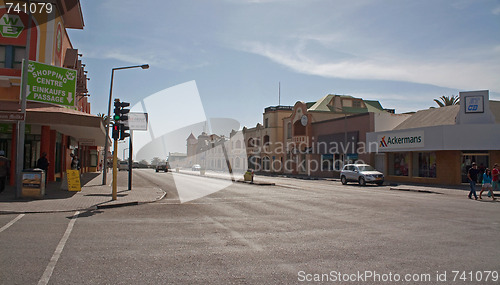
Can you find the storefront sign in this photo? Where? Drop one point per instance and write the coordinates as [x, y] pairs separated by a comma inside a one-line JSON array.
[[12, 116], [51, 84], [74, 180], [401, 140], [474, 104]]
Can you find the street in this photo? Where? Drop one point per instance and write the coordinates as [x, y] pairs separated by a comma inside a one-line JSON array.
[[294, 232]]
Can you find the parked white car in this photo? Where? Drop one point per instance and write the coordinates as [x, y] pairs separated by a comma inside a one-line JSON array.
[[196, 167], [361, 173]]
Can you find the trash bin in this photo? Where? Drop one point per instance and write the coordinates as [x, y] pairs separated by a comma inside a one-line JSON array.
[[33, 183], [248, 176]]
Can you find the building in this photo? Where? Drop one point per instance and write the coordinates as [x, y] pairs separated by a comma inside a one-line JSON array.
[[291, 137], [215, 152], [58, 131], [438, 145]]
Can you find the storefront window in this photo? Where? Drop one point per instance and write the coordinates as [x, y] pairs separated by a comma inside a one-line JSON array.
[[398, 163], [327, 162], [424, 164], [482, 160]]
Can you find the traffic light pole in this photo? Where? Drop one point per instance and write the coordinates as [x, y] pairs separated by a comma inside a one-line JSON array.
[[130, 160], [115, 158]]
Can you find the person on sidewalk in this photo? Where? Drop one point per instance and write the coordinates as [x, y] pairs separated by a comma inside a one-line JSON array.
[[43, 163], [4, 170], [472, 176], [75, 163], [495, 177], [487, 184]]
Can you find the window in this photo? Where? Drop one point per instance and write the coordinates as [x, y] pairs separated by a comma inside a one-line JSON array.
[[356, 103], [398, 163], [327, 162], [424, 164], [289, 131], [11, 56], [266, 123]]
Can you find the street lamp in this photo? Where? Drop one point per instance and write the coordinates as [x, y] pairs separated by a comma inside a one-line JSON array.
[[106, 145]]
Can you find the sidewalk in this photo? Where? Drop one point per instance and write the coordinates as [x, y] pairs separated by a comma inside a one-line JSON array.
[[93, 196]]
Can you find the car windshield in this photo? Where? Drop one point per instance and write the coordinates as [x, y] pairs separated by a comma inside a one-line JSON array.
[[366, 168]]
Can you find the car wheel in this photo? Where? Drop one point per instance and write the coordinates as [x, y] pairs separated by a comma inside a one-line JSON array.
[[157, 170], [343, 180], [362, 181], [380, 183]]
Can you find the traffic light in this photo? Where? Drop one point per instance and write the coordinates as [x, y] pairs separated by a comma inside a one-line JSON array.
[[123, 134], [116, 131], [120, 118], [120, 111]]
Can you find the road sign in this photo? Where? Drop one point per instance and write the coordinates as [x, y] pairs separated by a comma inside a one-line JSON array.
[[50, 84], [137, 121]]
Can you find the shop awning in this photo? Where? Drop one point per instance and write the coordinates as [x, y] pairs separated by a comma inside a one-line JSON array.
[[80, 125]]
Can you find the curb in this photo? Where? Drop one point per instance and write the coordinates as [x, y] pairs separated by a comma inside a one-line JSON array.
[[92, 208], [240, 181], [414, 190]]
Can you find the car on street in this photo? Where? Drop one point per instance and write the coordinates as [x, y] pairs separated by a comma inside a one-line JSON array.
[[122, 165], [361, 173], [196, 167], [162, 167]]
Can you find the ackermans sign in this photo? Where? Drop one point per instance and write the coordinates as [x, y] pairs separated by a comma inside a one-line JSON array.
[[401, 140]]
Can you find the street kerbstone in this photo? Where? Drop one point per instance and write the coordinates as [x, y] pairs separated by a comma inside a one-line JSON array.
[[92, 196]]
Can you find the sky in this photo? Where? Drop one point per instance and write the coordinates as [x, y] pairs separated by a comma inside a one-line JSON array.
[[402, 53]]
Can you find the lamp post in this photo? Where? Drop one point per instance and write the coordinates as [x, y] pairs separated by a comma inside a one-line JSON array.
[[106, 144]]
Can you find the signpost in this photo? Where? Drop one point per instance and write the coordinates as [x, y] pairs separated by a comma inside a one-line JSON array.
[[74, 180], [139, 122], [50, 84]]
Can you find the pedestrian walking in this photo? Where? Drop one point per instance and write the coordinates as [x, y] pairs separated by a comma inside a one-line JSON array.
[[4, 170], [43, 163], [495, 177], [487, 184], [75, 163], [472, 176]]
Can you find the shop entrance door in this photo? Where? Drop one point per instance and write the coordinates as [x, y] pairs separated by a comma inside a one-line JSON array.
[[481, 159]]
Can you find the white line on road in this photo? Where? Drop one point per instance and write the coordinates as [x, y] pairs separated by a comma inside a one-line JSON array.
[[55, 257], [11, 222]]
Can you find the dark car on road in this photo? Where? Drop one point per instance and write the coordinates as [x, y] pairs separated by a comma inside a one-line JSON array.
[[162, 167]]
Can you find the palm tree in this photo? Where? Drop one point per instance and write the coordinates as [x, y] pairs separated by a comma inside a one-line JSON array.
[[448, 101]]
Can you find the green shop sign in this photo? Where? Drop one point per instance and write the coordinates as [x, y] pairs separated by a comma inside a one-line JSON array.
[[50, 84]]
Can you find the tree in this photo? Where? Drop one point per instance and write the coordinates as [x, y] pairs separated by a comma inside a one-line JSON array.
[[155, 161], [448, 101], [145, 162]]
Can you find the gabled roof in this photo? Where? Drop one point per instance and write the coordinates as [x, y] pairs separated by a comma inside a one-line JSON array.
[[441, 116], [323, 105], [431, 117], [191, 137]]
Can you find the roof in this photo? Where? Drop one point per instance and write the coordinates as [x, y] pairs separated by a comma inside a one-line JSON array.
[[441, 116], [191, 137], [323, 105]]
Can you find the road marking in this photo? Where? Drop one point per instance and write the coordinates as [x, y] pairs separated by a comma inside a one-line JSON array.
[[11, 222], [57, 253]]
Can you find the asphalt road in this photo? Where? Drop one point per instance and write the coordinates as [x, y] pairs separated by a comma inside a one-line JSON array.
[[248, 234]]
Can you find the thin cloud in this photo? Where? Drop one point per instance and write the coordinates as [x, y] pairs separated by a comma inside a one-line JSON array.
[[452, 74]]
